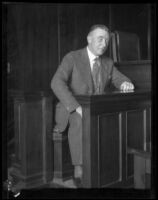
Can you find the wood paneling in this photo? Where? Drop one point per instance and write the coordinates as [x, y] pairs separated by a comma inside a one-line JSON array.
[[110, 141], [136, 133], [109, 127], [35, 27], [75, 21], [33, 163], [39, 35]]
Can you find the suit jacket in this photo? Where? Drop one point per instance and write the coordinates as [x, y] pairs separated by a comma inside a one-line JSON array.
[[73, 77]]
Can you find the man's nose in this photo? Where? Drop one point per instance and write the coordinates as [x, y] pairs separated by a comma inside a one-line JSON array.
[[104, 43]]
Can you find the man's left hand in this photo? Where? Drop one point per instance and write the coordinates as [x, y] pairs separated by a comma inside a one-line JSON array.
[[126, 86]]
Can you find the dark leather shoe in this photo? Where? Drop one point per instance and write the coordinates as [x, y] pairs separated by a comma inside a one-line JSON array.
[[77, 182]]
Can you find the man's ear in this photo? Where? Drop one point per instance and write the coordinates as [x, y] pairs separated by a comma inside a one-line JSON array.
[[89, 39]]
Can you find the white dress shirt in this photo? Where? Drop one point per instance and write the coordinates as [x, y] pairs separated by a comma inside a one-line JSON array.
[[91, 58]]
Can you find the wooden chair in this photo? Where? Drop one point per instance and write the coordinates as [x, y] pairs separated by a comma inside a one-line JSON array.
[[142, 170], [142, 167], [125, 46]]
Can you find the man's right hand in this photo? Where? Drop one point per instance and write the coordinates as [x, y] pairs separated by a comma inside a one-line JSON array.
[[79, 110]]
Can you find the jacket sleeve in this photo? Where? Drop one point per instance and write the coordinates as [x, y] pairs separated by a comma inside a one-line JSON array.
[[59, 83], [117, 77]]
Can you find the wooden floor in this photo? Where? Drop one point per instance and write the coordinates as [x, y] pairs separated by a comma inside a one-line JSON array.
[[57, 183]]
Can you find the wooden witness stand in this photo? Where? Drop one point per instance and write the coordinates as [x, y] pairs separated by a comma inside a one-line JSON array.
[[115, 125], [112, 123]]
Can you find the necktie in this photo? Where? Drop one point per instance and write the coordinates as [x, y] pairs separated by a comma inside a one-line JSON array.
[[96, 75]]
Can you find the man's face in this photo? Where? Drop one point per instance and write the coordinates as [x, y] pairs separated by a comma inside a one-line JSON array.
[[98, 41]]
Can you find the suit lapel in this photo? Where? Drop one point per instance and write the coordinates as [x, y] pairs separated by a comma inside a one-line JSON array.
[[86, 69], [104, 74]]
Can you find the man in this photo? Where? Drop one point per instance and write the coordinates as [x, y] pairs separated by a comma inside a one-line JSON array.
[[84, 71]]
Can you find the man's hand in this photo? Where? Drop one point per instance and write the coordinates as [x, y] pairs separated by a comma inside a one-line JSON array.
[[126, 86], [79, 110]]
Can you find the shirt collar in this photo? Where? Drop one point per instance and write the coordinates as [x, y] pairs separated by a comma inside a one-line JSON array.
[[91, 55]]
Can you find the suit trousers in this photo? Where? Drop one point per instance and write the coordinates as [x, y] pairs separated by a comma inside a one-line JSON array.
[[75, 138], [74, 133]]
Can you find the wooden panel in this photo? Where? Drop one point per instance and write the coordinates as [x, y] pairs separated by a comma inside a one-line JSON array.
[[31, 139], [75, 21], [10, 118], [148, 129], [109, 149], [86, 141], [9, 135], [135, 129], [111, 122], [18, 108], [95, 166], [130, 165], [47, 112], [36, 32], [33, 165]]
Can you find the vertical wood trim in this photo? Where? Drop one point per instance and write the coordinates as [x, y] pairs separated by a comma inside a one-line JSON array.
[[23, 135], [117, 47], [110, 17], [120, 146], [126, 145], [150, 130], [113, 47], [149, 32], [43, 101], [98, 142], [58, 24], [144, 129], [19, 127], [110, 27]]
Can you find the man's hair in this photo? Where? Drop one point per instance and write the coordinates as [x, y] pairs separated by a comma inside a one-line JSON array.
[[101, 26]]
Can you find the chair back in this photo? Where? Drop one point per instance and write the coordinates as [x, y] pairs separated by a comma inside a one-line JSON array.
[[125, 46]]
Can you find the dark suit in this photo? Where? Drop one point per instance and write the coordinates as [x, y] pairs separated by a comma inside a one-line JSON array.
[[73, 77]]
